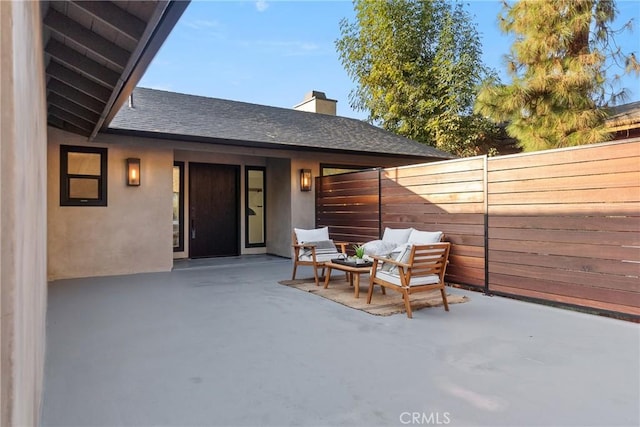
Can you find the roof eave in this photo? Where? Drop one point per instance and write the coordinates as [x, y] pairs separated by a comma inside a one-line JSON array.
[[160, 25], [259, 144]]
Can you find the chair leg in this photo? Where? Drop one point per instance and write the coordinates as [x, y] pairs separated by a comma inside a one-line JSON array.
[[370, 291], [315, 274], [295, 266], [444, 299], [407, 304]]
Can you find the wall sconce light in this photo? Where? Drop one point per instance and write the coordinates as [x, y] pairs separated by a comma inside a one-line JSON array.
[[133, 172], [305, 179]]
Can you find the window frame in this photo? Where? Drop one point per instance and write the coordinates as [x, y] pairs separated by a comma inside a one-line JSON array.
[[65, 177], [247, 190], [180, 247]]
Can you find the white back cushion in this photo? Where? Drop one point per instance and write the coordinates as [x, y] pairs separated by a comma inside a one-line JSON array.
[[418, 237], [396, 235], [378, 247], [315, 235], [400, 254]]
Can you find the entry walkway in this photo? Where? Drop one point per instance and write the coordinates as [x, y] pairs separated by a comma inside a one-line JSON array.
[[221, 343]]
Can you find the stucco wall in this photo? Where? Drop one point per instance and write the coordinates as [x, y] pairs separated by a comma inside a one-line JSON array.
[[132, 234], [279, 207], [23, 285], [129, 243]]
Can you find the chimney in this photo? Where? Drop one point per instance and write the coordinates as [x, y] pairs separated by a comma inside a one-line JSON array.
[[317, 102]]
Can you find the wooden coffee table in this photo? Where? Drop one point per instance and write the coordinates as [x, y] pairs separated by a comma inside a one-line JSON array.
[[351, 269]]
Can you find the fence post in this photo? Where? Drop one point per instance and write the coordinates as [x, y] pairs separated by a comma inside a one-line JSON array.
[[486, 224]]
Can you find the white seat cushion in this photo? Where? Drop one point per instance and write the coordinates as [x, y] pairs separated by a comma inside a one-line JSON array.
[[418, 237], [415, 281], [396, 235], [315, 235]]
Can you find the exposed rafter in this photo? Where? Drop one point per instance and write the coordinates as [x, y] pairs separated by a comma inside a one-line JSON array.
[[96, 52], [72, 94], [106, 50], [78, 81], [81, 64], [123, 22]]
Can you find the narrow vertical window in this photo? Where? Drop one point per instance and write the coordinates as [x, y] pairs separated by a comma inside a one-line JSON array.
[[255, 206], [83, 176], [178, 206]]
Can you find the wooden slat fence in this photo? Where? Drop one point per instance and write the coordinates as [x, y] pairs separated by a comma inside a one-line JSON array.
[[350, 205], [564, 226], [444, 196], [560, 225]]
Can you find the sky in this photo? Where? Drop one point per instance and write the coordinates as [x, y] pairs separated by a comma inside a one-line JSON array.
[[274, 52]]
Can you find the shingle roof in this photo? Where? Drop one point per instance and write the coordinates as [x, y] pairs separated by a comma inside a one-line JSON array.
[[625, 116], [170, 114]]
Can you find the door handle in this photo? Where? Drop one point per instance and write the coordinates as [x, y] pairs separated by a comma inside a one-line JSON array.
[[193, 229]]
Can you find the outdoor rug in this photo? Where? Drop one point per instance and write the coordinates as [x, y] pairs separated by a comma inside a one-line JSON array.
[[381, 305]]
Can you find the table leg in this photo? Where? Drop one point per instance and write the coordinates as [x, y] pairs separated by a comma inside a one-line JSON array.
[[327, 277], [357, 284]]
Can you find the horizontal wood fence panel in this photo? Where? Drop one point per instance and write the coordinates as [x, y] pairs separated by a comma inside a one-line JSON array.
[[623, 253], [423, 207], [562, 170], [449, 178], [344, 200], [465, 276], [583, 154], [359, 222], [596, 305], [560, 197], [346, 210], [590, 223], [597, 238], [574, 277], [447, 229], [558, 290], [446, 188], [476, 262], [567, 209], [467, 250], [436, 168], [594, 265], [436, 199], [603, 181], [346, 178]]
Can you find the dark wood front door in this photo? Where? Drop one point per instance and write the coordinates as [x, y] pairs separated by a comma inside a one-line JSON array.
[[214, 210]]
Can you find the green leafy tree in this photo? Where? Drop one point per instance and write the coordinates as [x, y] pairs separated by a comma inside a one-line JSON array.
[[558, 65], [417, 67]]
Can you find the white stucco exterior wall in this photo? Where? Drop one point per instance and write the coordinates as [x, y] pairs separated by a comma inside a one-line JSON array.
[[279, 193], [23, 285], [132, 234]]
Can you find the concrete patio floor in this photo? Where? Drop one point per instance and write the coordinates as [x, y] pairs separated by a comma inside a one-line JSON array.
[[221, 343]]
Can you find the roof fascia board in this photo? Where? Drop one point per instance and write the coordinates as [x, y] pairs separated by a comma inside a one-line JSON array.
[[253, 144]]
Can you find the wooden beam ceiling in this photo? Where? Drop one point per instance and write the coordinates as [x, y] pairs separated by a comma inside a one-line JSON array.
[[96, 52]]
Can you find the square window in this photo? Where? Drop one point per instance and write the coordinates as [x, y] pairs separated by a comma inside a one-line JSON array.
[[83, 176]]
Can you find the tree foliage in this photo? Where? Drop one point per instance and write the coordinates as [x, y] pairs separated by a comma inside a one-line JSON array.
[[417, 67], [558, 66]]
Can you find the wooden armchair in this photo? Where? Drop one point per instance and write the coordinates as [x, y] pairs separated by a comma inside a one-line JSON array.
[[418, 268], [313, 248]]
